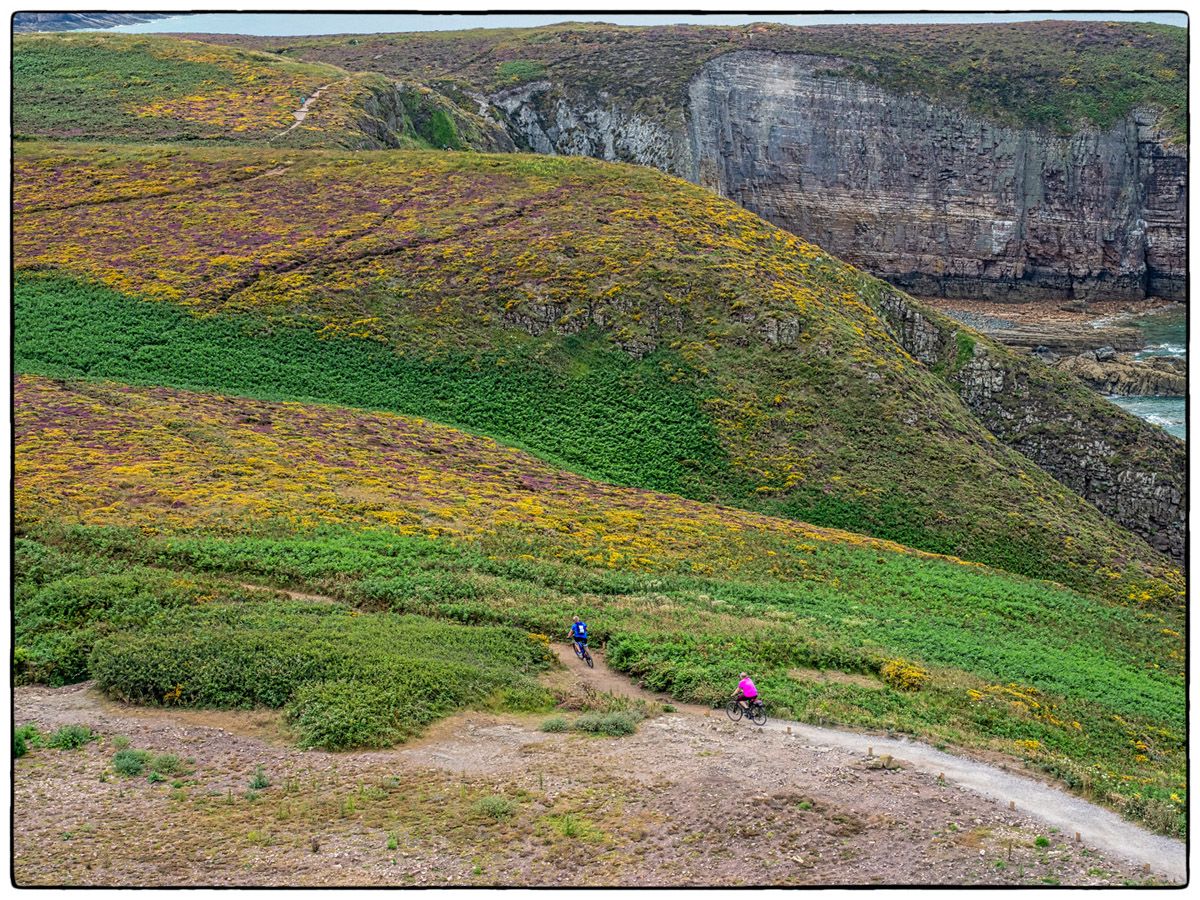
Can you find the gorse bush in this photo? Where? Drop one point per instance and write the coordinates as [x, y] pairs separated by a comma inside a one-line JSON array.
[[346, 680], [904, 675]]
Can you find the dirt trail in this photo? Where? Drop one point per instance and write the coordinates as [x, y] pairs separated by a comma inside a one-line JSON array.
[[603, 678], [302, 112], [1097, 827]]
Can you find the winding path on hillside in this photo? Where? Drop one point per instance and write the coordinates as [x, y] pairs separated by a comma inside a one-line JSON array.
[[1097, 827], [302, 112]]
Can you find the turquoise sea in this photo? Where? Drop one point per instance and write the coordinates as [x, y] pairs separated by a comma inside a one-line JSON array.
[[1166, 335]]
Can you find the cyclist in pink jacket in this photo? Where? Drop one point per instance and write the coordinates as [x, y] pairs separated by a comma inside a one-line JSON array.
[[746, 692]]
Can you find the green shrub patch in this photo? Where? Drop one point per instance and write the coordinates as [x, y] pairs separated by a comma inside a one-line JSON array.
[[346, 680]]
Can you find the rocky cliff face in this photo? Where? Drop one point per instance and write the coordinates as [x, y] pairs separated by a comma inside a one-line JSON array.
[[926, 196], [1134, 473]]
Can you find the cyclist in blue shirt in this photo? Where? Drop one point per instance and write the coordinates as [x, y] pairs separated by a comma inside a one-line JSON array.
[[579, 635]]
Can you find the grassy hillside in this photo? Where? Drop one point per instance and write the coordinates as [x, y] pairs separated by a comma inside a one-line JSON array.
[[132, 88], [629, 325], [146, 511], [1049, 74]]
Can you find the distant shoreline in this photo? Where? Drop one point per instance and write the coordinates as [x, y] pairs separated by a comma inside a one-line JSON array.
[[28, 23]]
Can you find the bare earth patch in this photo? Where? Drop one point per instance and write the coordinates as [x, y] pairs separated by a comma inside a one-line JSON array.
[[691, 799]]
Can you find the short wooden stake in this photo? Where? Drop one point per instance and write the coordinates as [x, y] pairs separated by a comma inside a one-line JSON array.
[[1012, 804], [870, 751], [1146, 868], [789, 729], [1077, 838], [1010, 851]]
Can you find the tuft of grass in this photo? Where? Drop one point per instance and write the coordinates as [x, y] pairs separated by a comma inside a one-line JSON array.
[[573, 826], [166, 764], [259, 780], [555, 725], [1041, 841], [120, 742]]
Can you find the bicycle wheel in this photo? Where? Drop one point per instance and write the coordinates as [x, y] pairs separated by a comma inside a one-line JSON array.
[[587, 657], [758, 715], [733, 709]]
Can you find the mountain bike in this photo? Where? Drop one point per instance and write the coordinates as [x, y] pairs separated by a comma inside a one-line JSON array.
[[756, 713], [581, 651]]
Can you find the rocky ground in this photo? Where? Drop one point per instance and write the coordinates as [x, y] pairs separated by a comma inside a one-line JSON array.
[[486, 799], [1066, 328]]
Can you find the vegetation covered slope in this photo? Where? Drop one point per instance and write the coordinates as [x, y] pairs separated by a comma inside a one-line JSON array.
[[629, 325], [1057, 74], [155, 88], [148, 509]]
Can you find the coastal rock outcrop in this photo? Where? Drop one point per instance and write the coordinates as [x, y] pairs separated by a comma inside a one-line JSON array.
[[1120, 374], [1133, 472]]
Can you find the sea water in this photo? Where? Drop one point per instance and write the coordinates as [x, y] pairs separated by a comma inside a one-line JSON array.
[[1166, 335]]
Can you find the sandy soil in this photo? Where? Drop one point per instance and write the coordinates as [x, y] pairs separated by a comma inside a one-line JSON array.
[[691, 799]]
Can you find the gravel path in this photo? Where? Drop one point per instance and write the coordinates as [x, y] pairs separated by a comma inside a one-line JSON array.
[[1097, 827]]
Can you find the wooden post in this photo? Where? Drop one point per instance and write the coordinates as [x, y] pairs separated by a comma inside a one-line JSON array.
[[1012, 804], [1077, 837], [870, 751]]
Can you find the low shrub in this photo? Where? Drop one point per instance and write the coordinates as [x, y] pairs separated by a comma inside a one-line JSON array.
[[338, 715], [130, 762], [71, 737], [495, 807], [25, 738], [555, 725], [613, 724], [120, 742], [346, 680], [259, 780]]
